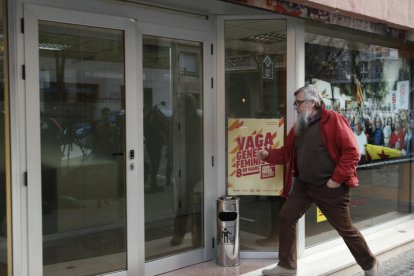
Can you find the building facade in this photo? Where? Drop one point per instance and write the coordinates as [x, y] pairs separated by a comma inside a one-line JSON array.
[[124, 120]]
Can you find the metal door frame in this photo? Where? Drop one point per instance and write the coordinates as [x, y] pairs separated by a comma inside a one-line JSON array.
[[295, 78], [32, 14]]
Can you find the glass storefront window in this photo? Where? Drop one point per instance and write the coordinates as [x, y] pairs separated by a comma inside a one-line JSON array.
[[255, 87], [370, 82], [5, 194]]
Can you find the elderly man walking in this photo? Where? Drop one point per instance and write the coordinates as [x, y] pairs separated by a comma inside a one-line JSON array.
[[321, 154]]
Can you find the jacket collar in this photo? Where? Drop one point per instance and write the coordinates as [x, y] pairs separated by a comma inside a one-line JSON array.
[[325, 114]]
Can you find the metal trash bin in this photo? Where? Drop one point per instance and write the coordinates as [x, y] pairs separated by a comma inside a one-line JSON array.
[[228, 252]]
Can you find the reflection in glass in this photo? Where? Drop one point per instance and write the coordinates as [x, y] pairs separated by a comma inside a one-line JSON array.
[[5, 196], [255, 79], [82, 112], [173, 132], [369, 84]]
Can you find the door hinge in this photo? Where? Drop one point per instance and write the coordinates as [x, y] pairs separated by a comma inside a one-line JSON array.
[[23, 71], [22, 25], [179, 173], [212, 82], [212, 160], [25, 178], [212, 49], [213, 242], [179, 126]]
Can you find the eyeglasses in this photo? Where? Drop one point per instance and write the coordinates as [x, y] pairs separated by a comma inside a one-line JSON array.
[[298, 102]]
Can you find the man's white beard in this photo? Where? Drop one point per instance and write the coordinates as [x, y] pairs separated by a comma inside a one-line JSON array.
[[302, 121]]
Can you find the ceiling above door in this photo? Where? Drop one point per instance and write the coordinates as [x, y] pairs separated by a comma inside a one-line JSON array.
[[196, 7]]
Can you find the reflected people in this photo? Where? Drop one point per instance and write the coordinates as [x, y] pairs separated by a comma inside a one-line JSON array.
[[105, 135], [378, 134], [154, 133], [192, 154], [104, 167], [51, 156], [387, 132], [361, 138], [408, 138], [276, 203], [397, 136]]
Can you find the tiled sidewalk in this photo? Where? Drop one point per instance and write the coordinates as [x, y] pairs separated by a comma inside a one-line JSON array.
[[400, 265], [396, 256]]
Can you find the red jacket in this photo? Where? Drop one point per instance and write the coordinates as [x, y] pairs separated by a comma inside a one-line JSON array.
[[340, 143]]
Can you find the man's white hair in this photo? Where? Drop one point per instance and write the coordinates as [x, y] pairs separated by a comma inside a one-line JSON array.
[[311, 93]]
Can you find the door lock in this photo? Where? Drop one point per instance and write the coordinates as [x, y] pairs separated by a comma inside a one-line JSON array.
[[131, 154]]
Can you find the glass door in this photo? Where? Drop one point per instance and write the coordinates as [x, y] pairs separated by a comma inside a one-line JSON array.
[[173, 132], [78, 138], [179, 202]]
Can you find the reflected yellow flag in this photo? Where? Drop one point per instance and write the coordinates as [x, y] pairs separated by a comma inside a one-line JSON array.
[[320, 217], [379, 152]]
